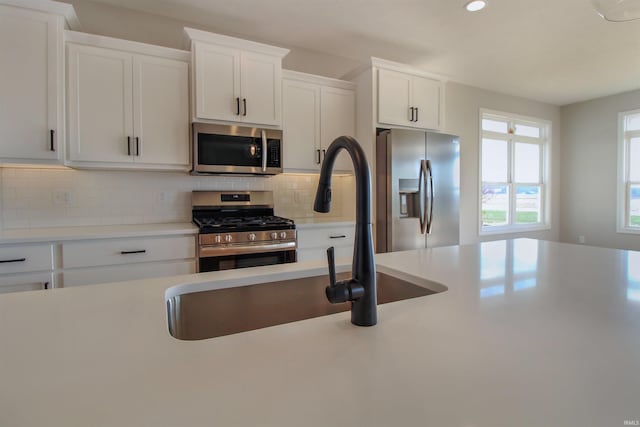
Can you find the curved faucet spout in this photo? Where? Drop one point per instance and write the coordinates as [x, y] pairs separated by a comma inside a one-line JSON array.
[[361, 288]]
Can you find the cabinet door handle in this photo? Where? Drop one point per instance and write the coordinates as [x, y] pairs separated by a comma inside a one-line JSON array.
[[244, 104], [416, 114], [340, 236], [138, 146], [6, 261], [52, 135], [324, 154], [128, 146], [411, 109], [140, 251], [318, 153]]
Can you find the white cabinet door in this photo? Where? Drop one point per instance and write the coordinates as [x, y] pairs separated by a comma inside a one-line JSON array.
[[313, 241], [337, 118], [161, 111], [301, 125], [30, 85], [394, 98], [100, 104], [26, 282], [217, 85], [425, 97], [119, 273], [260, 87], [409, 100]]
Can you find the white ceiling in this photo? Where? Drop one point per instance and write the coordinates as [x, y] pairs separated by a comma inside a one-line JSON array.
[[556, 51]]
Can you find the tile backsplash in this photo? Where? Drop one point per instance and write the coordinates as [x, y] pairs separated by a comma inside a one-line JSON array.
[[32, 198]]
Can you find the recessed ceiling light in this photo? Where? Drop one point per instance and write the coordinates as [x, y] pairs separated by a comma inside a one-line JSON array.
[[475, 5]]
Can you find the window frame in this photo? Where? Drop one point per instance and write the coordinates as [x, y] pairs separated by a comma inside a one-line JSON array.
[[545, 143], [623, 205]]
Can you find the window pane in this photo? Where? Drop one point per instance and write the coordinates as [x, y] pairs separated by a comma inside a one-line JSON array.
[[634, 206], [495, 205], [634, 160], [494, 160], [494, 126], [632, 122], [527, 205], [527, 167], [524, 130]]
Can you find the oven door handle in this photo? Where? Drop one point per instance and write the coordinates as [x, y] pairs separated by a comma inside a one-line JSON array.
[[264, 150], [213, 251]]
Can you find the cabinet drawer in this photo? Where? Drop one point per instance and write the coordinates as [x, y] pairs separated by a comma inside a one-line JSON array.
[[23, 258], [310, 254], [126, 251], [26, 282], [325, 237], [119, 273]]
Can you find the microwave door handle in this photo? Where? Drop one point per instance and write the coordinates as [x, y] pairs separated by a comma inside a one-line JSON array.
[[264, 150]]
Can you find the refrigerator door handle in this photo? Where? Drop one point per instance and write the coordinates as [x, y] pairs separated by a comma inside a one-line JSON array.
[[422, 186], [430, 197]]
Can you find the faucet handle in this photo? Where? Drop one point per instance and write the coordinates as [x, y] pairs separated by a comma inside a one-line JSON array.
[[331, 260]]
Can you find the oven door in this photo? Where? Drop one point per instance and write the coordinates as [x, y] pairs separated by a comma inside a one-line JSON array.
[[235, 149], [215, 260]]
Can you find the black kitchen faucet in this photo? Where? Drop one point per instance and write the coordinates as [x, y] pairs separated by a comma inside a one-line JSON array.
[[361, 288]]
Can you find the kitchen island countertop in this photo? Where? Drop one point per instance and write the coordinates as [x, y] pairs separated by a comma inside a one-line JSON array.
[[528, 333]]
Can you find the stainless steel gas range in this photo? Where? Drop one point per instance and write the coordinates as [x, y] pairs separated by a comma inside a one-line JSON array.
[[239, 229]]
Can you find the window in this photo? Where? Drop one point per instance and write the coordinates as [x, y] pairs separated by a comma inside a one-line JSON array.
[[629, 172], [514, 159]]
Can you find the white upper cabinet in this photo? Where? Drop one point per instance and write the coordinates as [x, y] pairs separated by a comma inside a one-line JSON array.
[[316, 110], [127, 109], [409, 99], [236, 80], [31, 87]]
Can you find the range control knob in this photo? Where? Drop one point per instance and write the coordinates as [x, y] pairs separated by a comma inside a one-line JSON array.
[[252, 237], [283, 234], [228, 238], [274, 236], [217, 239]]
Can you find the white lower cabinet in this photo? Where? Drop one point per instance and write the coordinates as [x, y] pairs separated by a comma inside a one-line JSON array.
[[26, 282], [313, 241], [113, 260], [119, 273], [26, 267]]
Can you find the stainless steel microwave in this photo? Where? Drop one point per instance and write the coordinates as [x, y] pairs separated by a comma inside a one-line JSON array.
[[229, 149]]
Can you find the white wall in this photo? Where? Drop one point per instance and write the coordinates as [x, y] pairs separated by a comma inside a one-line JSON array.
[[589, 171], [98, 18], [463, 104]]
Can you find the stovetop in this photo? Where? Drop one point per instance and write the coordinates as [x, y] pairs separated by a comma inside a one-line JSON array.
[[228, 224]]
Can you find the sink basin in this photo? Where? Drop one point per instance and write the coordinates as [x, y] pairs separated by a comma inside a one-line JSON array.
[[218, 312]]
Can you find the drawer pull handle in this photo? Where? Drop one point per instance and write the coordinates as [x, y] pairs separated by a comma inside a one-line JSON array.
[[5, 261], [341, 236], [141, 251]]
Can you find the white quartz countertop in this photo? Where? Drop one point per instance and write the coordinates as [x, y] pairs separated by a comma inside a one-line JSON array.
[[528, 333], [56, 234]]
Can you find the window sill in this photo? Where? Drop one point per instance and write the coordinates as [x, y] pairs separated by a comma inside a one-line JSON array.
[[514, 229], [628, 230]]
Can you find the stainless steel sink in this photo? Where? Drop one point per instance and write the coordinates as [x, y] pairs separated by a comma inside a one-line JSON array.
[[214, 313]]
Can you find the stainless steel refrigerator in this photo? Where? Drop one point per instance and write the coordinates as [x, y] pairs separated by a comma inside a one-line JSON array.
[[417, 189]]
